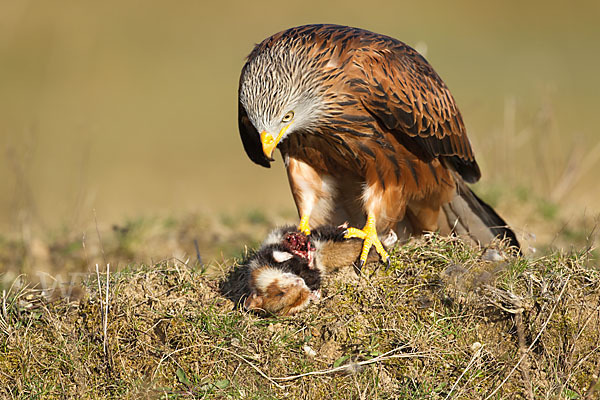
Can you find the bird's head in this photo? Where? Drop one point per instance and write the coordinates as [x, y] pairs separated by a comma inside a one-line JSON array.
[[281, 93]]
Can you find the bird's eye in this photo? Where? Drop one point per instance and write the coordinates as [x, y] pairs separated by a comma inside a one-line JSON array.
[[288, 117]]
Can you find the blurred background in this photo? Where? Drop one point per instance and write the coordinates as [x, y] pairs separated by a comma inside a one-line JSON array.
[[117, 109]]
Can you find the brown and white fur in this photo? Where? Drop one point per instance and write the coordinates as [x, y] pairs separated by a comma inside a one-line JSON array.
[[285, 273]]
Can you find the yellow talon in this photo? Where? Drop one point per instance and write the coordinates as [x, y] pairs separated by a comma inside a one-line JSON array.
[[303, 227], [369, 235]]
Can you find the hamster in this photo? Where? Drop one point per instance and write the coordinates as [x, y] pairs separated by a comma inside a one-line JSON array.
[[285, 273], [282, 278]]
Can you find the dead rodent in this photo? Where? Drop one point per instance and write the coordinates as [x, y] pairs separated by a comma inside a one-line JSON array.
[[286, 271]]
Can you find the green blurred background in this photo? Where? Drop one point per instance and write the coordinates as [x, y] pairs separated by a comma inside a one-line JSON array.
[[129, 107]]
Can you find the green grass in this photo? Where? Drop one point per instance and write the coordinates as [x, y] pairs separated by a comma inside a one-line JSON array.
[[174, 330], [440, 322]]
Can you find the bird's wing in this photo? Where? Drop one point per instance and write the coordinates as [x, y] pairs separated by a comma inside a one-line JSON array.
[[251, 138], [401, 90]]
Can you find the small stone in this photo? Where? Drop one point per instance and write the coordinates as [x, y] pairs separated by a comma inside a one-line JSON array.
[[492, 255], [309, 351]]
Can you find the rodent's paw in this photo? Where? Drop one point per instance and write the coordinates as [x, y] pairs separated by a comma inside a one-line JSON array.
[[299, 282], [342, 231], [289, 280], [390, 239]]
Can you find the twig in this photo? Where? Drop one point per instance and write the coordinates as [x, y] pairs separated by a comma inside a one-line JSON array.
[[532, 343], [252, 365], [377, 359], [473, 358], [386, 356]]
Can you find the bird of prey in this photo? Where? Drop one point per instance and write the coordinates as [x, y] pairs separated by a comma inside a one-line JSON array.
[[369, 134]]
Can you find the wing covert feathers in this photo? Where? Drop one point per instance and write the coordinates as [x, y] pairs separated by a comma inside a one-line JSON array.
[[401, 90]]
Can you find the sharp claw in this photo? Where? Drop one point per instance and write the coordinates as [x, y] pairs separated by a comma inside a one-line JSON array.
[[388, 263], [358, 267]]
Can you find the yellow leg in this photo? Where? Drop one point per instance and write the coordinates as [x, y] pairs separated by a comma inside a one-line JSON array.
[[304, 227], [369, 235]]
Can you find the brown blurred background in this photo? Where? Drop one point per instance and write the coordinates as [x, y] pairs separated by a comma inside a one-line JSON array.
[[129, 107]]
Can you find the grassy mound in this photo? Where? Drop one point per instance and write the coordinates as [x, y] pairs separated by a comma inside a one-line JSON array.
[[445, 321]]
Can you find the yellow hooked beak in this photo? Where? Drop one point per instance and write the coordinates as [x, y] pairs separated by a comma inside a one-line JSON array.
[[269, 143]]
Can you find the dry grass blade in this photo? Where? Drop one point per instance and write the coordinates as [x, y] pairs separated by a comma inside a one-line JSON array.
[[523, 351], [106, 306], [260, 372], [101, 302], [594, 388], [533, 342], [471, 362]]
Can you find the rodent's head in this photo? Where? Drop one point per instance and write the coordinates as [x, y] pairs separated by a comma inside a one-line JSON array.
[[277, 292]]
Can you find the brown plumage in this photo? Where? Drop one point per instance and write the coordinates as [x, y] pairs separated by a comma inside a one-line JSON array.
[[368, 132]]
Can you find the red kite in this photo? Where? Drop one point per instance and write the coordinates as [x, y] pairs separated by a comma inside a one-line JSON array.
[[369, 134]]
